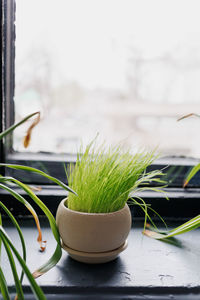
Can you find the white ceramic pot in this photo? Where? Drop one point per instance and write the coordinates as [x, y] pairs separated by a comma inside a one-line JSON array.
[[88, 237]]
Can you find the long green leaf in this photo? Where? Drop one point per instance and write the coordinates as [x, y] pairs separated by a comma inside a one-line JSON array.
[[196, 168], [30, 169], [10, 129], [3, 283], [15, 223], [187, 226], [0, 239], [4, 286], [28, 206], [34, 286], [13, 267], [37, 201], [191, 174], [54, 259], [58, 252]]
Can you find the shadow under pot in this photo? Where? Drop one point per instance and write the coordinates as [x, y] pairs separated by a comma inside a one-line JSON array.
[[93, 237]]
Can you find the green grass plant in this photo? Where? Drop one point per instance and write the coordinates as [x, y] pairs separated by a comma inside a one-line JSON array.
[[105, 179]]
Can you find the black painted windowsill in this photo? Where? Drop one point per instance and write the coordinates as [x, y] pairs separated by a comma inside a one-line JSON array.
[[147, 269], [183, 204]]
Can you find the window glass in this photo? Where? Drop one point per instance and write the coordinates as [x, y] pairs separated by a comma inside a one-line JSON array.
[[125, 69]]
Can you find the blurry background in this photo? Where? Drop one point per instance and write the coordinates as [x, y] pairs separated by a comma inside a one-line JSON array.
[[127, 69]]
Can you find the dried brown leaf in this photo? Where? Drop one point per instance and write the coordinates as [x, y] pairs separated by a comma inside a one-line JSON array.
[[27, 137], [187, 116]]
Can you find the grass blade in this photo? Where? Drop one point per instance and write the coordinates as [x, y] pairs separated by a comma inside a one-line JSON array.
[[191, 174], [144, 207], [186, 227], [30, 208], [30, 169], [10, 129], [15, 223], [34, 286]]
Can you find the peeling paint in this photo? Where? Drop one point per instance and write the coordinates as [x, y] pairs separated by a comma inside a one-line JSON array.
[[127, 275]]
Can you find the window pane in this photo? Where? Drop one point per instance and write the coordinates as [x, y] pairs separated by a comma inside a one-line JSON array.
[[125, 69]]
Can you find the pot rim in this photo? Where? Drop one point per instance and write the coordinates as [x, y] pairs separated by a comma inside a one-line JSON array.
[[62, 203]]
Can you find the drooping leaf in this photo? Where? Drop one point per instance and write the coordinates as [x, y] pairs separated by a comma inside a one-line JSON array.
[[196, 168], [188, 115], [27, 137], [34, 170], [33, 284], [15, 223], [3, 286], [186, 227], [11, 128], [191, 174], [18, 285], [54, 259], [58, 252], [30, 208], [0, 239]]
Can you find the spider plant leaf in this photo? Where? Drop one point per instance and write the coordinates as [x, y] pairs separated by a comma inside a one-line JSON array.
[[50, 263], [33, 284], [0, 239], [27, 137], [18, 285], [11, 128], [191, 174], [196, 168], [58, 252], [15, 223], [188, 115], [4, 286], [187, 226], [35, 198], [30, 208], [30, 169]]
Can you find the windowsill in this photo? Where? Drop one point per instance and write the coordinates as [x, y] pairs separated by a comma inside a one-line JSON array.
[[146, 268], [182, 203], [177, 167]]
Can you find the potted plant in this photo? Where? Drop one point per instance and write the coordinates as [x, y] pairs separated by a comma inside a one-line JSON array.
[[94, 224]]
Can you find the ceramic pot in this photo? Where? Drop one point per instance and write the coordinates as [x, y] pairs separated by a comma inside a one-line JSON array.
[[89, 236]]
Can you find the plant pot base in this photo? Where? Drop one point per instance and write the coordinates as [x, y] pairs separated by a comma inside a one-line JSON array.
[[95, 258]]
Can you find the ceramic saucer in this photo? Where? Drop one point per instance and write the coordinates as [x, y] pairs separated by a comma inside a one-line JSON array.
[[95, 257]]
